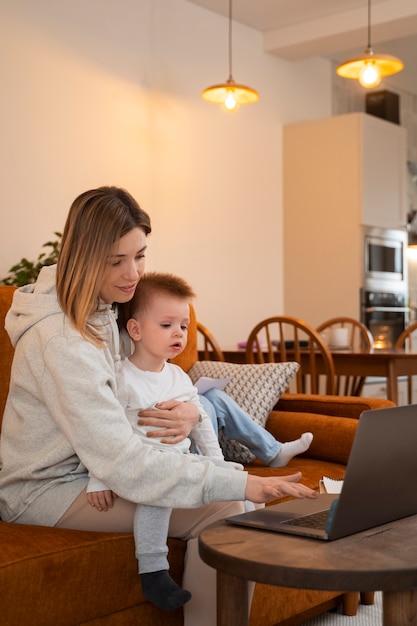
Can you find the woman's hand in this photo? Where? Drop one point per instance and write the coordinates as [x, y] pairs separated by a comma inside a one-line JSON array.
[[262, 489], [175, 418]]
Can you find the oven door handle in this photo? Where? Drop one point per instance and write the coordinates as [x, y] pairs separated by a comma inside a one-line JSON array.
[[389, 309]]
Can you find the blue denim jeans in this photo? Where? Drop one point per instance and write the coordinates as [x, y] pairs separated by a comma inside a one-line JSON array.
[[226, 414]]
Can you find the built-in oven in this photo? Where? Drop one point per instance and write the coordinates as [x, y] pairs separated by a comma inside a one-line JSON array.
[[386, 314], [384, 293], [385, 264]]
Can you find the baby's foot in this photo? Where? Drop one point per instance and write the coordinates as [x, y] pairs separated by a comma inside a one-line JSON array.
[[160, 589], [290, 449]]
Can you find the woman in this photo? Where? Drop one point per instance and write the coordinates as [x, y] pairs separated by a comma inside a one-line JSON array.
[[62, 414]]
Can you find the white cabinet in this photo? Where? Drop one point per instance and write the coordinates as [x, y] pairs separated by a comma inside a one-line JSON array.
[[340, 173], [384, 173]]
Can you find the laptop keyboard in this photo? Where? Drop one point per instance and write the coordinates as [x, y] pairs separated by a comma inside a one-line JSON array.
[[315, 520]]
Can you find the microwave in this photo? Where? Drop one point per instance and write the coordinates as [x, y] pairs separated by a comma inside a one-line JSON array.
[[385, 258]]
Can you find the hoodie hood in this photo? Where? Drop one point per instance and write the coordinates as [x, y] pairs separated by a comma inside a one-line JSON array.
[[32, 303]]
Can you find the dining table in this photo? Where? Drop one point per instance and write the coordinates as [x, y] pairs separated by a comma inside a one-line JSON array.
[[389, 364]]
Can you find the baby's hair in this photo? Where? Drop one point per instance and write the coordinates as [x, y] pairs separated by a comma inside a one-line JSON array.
[[154, 283]]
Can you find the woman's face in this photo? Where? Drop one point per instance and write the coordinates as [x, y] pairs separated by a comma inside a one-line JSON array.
[[124, 267]]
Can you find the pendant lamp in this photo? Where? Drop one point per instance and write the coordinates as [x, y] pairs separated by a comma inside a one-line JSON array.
[[369, 68], [230, 95]]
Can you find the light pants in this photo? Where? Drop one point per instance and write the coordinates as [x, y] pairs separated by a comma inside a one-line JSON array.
[[226, 414], [199, 578], [150, 529]]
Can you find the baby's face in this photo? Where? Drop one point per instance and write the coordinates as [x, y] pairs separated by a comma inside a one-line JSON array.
[[164, 326]]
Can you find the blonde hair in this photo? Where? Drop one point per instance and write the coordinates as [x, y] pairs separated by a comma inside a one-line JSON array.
[[97, 219]]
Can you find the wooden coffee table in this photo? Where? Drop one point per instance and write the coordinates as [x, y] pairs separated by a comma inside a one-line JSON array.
[[380, 559]]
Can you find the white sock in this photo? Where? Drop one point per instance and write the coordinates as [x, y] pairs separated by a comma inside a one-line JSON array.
[[290, 449]]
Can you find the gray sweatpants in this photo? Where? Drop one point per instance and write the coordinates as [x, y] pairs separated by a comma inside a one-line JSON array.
[[150, 529]]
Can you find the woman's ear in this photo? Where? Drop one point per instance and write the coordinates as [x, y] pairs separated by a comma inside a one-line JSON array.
[[133, 328]]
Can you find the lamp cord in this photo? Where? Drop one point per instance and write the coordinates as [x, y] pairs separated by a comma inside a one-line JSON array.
[[369, 24], [230, 39]]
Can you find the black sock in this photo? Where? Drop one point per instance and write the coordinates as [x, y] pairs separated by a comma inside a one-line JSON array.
[[160, 589]]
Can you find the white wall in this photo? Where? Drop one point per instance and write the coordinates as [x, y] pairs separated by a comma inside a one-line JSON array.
[[107, 92]]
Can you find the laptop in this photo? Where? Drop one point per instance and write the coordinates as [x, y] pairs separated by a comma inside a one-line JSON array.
[[379, 485]]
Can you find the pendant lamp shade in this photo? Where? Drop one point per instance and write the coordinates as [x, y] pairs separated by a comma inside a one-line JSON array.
[[230, 95], [369, 67]]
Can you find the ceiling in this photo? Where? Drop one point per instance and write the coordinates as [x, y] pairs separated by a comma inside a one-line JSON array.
[[335, 29]]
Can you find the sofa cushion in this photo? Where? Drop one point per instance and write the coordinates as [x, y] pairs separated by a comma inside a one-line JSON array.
[[54, 576], [6, 348], [256, 388]]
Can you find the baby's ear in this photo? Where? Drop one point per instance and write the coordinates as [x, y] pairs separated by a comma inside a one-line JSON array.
[[133, 328]]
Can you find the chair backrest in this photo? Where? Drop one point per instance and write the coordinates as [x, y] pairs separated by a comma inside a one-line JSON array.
[[359, 338], [408, 341], [208, 348], [286, 338], [408, 338]]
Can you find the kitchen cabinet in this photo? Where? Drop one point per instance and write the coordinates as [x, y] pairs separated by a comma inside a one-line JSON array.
[[384, 172], [340, 174]]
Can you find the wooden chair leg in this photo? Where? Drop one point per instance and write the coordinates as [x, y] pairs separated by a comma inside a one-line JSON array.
[[350, 602], [367, 597]]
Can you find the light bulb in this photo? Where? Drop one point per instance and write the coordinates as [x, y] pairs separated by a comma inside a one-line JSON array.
[[369, 76], [230, 101]]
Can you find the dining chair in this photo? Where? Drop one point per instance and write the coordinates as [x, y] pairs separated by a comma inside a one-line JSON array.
[[408, 341], [286, 338], [358, 339], [211, 350]]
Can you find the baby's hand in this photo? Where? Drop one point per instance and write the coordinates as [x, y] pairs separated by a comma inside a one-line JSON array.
[[101, 500]]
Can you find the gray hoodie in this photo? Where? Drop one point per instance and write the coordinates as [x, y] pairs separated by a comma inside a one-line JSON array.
[[62, 416]]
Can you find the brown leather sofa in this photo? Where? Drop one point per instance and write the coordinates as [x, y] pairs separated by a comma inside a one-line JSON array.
[[57, 577]]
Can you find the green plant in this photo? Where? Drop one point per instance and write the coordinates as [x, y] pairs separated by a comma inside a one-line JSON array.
[[26, 272]]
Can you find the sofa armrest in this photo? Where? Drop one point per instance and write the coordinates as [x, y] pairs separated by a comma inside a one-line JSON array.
[[333, 436], [332, 420], [339, 406]]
